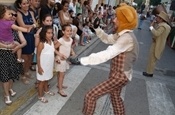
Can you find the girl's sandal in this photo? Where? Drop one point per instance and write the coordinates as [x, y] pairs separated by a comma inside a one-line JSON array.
[[62, 93], [50, 93], [82, 44], [43, 99], [28, 75], [12, 93], [32, 68], [25, 81]]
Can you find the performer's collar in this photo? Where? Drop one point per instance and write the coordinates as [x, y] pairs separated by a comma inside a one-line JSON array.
[[124, 31]]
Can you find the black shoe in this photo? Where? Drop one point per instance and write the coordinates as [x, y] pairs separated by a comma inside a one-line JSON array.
[[75, 61], [139, 28], [147, 74]]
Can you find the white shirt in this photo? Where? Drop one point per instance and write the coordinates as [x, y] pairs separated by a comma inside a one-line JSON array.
[[72, 7], [123, 43]]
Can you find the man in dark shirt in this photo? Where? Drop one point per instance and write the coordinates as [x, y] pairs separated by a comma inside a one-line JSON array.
[[142, 8], [46, 8], [172, 7]]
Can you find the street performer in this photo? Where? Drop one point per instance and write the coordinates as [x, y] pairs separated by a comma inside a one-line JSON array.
[[123, 52]]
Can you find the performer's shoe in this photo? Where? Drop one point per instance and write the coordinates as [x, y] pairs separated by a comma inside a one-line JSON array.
[[75, 61], [147, 74], [139, 28]]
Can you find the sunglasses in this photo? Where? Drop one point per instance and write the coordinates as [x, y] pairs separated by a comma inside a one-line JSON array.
[[15, 15]]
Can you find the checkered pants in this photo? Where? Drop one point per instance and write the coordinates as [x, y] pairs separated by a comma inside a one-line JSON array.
[[117, 80]]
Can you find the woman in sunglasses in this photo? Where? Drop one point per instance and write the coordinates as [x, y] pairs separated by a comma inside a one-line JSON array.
[[8, 70], [18, 36]]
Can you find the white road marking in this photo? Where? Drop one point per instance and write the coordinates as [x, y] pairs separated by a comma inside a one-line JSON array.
[[56, 102], [159, 99]]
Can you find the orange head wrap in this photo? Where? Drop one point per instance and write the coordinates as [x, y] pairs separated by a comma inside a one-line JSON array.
[[127, 17]]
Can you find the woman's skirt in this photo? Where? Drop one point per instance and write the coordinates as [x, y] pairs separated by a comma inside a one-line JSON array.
[[8, 66]]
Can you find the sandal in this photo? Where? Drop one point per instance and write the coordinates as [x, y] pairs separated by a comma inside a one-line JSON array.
[[50, 93], [62, 93], [32, 68], [7, 100], [25, 81], [82, 44], [28, 75], [12, 93], [43, 99]]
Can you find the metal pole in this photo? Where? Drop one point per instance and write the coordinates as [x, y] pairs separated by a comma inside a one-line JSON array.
[[108, 2]]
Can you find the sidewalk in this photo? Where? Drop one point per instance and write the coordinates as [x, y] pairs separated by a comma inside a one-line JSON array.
[[25, 92]]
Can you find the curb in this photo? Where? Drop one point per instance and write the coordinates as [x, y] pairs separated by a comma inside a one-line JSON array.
[[9, 110]]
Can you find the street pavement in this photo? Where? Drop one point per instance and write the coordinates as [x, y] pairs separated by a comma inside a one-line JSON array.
[[142, 96]]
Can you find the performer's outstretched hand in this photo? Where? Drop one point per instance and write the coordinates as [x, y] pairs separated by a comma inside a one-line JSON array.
[[96, 23]]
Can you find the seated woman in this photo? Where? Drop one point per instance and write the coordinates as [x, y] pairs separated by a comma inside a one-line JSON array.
[[65, 18], [86, 32], [56, 10], [77, 21]]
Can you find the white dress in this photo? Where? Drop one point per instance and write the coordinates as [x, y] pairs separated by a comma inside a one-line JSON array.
[[65, 49], [47, 62]]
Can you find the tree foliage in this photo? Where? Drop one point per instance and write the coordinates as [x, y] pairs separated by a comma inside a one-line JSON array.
[[152, 2], [139, 2], [155, 2]]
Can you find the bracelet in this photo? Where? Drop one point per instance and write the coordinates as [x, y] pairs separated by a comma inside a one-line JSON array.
[[34, 25]]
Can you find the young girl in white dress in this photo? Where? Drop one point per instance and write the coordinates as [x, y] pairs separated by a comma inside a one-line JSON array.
[[64, 46], [45, 62]]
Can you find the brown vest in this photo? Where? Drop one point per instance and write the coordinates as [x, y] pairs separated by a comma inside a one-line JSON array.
[[124, 61], [131, 56]]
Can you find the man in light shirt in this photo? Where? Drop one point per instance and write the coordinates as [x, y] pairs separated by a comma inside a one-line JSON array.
[[72, 6]]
